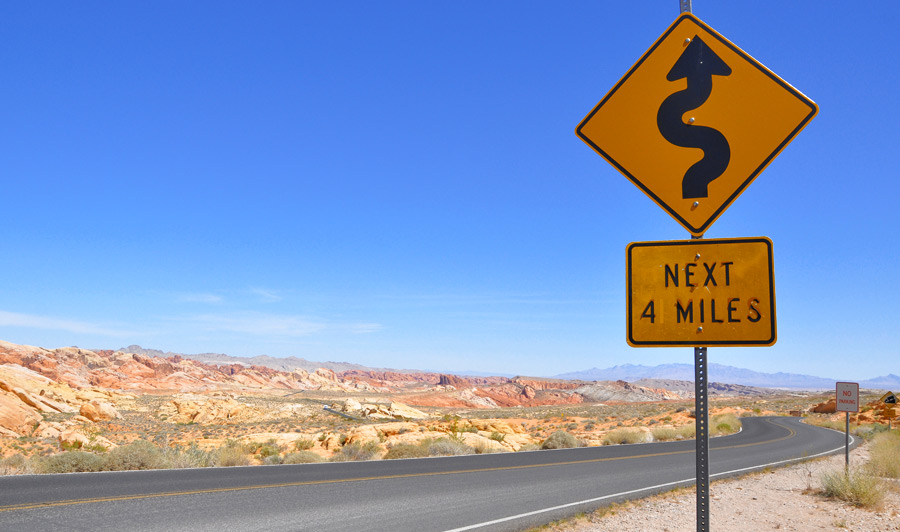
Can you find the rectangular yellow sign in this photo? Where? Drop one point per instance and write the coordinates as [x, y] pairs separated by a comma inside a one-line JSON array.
[[701, 293]]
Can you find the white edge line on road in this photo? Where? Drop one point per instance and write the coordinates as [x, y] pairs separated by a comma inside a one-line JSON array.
[[649, 488]]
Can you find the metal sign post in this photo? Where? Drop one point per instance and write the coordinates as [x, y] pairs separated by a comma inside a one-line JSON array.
[[701, 411], [846, 399]]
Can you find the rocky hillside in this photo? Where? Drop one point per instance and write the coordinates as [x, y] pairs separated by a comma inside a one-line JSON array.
[[82, 369]]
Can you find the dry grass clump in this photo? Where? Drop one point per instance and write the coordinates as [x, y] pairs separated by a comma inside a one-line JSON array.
[[69, 462], [684, 432], [358, 451], [302, 457], [884, 452], [137, 455], [14, 465], [231, 454], [304, 444], [724, 424], [624, 436], [560, 440], [408, 450], [857, 487], [449, 447], [180, 457]]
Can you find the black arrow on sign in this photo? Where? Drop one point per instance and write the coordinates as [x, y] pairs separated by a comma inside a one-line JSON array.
[[891, 399], [698, 63]]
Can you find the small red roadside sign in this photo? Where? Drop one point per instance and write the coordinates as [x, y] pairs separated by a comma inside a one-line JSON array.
[[847, 397]]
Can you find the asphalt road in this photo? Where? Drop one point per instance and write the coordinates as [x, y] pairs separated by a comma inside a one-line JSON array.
[[495, 492]]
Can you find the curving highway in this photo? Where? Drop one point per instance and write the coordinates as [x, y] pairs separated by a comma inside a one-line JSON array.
[[494, 492]]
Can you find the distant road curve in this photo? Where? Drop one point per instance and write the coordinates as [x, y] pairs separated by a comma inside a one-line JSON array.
[[495, 492]]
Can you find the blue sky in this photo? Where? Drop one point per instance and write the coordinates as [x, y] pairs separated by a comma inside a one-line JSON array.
[[398, 184]]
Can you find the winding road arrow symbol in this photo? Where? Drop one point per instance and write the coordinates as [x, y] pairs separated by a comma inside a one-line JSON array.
[[698, 63]]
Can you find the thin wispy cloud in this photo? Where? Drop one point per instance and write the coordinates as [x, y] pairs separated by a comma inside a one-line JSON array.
[[258, 324], [200, 298], [274, 325], [32, 321], [266, 296], [365, 328]]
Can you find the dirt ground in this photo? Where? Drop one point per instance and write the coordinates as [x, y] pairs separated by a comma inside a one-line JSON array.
[[781, 499]]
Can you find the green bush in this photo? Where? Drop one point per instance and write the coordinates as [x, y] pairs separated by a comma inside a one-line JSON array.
[[356, 451], [268, 450], [302, 457], [498, 437], [70, 462], [560, 440], [857, 487], [304, 445], [724, 424], [136, 455]]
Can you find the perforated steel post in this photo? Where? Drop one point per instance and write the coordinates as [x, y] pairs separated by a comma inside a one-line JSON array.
[[685, 6], [701, 412]]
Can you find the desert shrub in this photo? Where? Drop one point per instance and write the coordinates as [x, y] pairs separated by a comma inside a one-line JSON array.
[[664, 434], [484, 448], [408, 450], [230, 456], [497, 436], [70, 462], [302, 457], [560, 440], [268, 450], [686, 432], [13, 464], [857, 487], [357, 451], [723, 424], [868, 432], [448, 447], [190, 456], [884, 458], [530, 447], [303, 444], [140, 454], [623, 436]]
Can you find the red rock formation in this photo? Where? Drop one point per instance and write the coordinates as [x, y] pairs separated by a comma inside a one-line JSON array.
[[452, 380]]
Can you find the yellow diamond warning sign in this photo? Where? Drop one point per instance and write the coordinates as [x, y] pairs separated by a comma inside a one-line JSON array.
[[716, 292], [694, 121]]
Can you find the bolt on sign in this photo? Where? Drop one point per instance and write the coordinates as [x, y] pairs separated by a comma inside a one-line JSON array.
[[701, 293], [846, 397], [694, 121]]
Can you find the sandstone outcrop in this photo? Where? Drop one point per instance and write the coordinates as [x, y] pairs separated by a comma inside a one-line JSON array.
[[99, 411], [371, 411], [828, 407]]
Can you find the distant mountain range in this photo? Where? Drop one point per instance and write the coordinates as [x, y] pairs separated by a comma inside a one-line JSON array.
[[723, 374], [626, 372], [281, 364]]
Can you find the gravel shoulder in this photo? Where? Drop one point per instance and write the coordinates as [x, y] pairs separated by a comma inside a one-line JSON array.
[[787, 498]]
